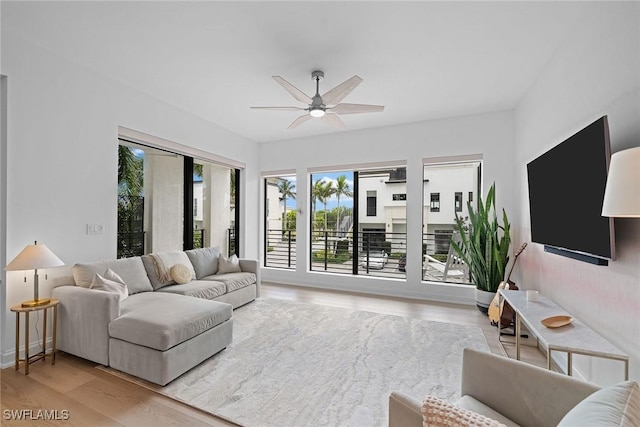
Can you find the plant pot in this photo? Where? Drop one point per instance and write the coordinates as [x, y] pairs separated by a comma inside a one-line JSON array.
[[483, 300]]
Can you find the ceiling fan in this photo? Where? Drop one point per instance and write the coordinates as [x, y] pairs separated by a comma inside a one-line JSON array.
[[326, 107]]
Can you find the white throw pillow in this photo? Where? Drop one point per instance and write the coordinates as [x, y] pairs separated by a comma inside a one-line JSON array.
[[438, 413], [229, 265], [111, 282], [615, 405], [181, 274]]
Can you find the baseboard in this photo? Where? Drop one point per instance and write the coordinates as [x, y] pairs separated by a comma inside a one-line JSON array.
[[8, 357]]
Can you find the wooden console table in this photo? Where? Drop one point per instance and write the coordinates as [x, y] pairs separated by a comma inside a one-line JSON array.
[[574, 338], [43, 354]]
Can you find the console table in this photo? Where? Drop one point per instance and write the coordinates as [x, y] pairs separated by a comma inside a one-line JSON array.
[[43, 354], [574, 338]]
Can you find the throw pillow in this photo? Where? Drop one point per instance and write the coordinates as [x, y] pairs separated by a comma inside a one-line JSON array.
[[438, 413], [229, 265], [204, 260], [103, 284], [181, 274], [615, 405]]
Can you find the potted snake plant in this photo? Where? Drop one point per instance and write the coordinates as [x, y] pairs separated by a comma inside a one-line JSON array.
[[484, 247]]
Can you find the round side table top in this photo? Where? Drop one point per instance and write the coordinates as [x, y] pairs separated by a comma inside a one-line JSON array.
[[20, 309]]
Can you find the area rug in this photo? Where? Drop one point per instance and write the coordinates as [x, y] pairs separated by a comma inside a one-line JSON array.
[[299, 364]]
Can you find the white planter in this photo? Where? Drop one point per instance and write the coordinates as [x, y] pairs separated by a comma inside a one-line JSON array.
[[483, 300]]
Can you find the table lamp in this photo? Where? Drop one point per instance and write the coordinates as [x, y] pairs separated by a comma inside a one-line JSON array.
[[34, 257], [622, 194]]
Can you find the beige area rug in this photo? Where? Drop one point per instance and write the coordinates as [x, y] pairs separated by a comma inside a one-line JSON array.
[[298, 364]]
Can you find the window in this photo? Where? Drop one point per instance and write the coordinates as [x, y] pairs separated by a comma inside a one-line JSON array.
[[372, 201], [353, 231], [434, 205], [280, 221], [168, 201], [450, 177], [458, 201]]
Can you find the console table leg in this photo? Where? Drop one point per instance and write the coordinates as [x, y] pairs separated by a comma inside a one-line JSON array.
[[518, 326], [569, 363], [26, 343], [548, 358], [44, 336], [17, 340]]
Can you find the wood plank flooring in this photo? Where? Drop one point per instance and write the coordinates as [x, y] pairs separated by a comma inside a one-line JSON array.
[[95, 398]]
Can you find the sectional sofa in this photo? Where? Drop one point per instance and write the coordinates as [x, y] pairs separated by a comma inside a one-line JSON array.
[[155, 316]]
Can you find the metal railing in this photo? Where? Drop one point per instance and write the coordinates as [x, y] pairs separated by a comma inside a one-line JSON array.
[[281, 249], [378, 254], [199, 235]]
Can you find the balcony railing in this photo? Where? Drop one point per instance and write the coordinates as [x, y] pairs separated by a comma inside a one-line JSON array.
[[378, 254], [199, 235]]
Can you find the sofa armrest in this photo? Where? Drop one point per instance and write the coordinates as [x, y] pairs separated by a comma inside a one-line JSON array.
[[404, 411], [252, 266], [526, 394], [83, 321]]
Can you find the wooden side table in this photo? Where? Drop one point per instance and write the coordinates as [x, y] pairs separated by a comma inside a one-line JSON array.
[[43, 354]]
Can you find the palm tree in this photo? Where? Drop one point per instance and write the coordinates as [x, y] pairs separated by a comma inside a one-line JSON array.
[[130, 172], [342, 189], [326, 190], [287, 189]]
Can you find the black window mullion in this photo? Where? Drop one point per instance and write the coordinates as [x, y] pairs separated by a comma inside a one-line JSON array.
[[187, 233]]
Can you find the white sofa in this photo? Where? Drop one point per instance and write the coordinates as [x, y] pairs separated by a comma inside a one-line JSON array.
[[515, 393], [161, 329]]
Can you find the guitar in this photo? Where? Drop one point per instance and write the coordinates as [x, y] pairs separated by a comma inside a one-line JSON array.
[[501, 312]]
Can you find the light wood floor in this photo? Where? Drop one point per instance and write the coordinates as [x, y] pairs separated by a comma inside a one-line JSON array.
[[96, 398]]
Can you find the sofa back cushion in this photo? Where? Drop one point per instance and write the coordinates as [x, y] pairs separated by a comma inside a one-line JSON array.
[[158, 266], [131, 270], [204, 260]]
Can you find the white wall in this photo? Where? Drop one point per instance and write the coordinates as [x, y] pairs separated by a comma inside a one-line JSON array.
[[595, 73], [491, 135], [62, 161]]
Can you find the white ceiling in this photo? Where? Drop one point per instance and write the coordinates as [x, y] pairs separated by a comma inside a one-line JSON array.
[[422, 60]]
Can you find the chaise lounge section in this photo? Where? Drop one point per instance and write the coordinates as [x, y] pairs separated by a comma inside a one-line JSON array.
[[158, 328]]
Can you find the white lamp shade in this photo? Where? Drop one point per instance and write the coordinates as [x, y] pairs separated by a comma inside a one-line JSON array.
[[622, 194], [33, 257]]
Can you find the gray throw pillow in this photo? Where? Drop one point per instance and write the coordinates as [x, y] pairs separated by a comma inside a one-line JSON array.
[[204, 260], [615, 405], [229, 265]]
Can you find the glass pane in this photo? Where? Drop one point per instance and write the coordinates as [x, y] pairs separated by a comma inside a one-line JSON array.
[[280, 219], [214, 197], [382, 227], [332, 222], [445, 186]]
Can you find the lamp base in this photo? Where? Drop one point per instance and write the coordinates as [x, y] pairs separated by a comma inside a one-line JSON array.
[[36, 303]]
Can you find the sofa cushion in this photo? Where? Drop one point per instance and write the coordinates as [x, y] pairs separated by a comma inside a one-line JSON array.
[[229, 265], [234, 280], [131, 270], [161, 320], [206, 289], [438, 413], [110, 282], [615, 405], [204, 260], [158, 266]]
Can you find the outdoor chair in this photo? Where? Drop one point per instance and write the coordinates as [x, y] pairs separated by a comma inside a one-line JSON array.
[[453, 269]]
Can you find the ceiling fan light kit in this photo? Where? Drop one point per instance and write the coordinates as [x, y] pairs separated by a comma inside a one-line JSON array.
[[326, 107]]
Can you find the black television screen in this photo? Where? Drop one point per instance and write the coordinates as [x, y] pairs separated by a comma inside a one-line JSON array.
[[566, 190]]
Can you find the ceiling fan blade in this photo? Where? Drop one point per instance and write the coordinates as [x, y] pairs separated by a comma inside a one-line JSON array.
[[338, 93], [279, 108], [297, 122], [333, 120], [294, 91], [356, 108]]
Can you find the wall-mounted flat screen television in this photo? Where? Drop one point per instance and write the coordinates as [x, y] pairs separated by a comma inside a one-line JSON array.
[[566, 190]]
